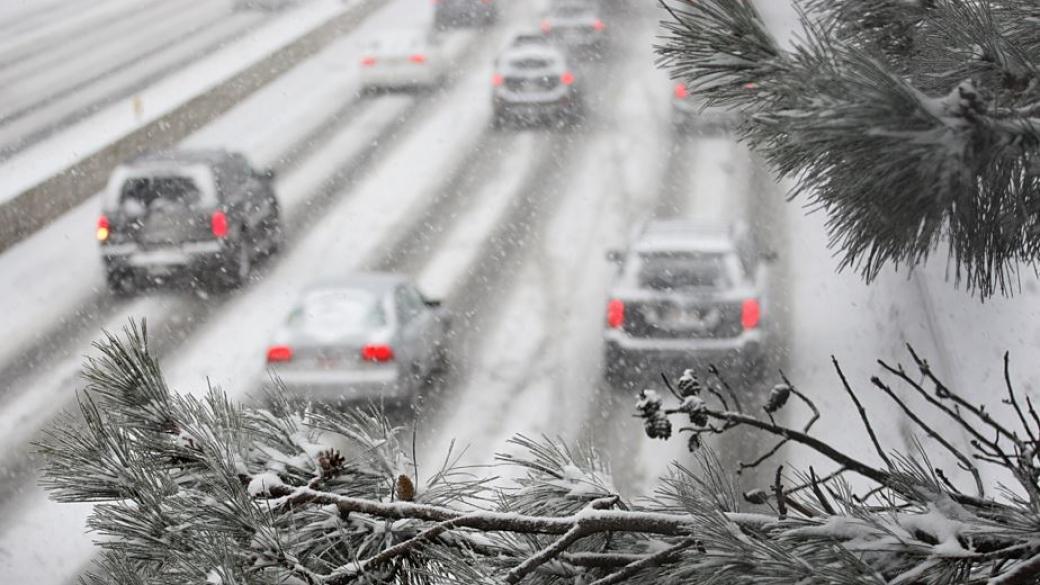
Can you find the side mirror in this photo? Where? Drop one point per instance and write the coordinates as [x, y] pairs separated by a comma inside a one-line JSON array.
[[769, 256], [267, 174], [432, 304], [615, 256]]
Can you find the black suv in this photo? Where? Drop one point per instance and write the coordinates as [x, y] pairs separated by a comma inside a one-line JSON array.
[[687, 295], [204, 214]]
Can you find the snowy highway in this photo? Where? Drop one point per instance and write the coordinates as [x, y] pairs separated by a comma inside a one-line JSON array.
[[86, 56], [509, 227]]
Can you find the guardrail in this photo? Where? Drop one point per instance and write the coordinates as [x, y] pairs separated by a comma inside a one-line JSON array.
[[53, 185]]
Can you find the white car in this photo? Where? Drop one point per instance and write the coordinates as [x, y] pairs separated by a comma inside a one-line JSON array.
[[404, 59]]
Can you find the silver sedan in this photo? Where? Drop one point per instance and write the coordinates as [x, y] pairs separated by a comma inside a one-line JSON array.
[[371, 336]]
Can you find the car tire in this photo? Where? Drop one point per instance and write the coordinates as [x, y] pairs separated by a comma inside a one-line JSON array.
[[613, 368], [236, 268], [275, 234], [121, 281], [498, 120]]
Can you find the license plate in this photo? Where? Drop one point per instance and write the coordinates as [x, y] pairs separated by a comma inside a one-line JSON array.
[[159, 258], [327, 363]]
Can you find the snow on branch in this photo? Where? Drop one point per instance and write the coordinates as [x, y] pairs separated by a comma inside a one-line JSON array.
[[913, 125], [208, 489]]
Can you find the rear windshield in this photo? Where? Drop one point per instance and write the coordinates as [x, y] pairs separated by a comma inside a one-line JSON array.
[[329, 313], [570, 11], [529, 63], [142, 194], [677, 271]]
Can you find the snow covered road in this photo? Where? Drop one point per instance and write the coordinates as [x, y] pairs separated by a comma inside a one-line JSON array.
[[509, 227]]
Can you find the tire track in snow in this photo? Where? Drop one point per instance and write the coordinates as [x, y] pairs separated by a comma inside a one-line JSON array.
[[102, 306], [40, 119], [178, 316], [232, 309]]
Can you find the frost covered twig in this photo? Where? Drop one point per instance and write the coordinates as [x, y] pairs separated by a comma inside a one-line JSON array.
[[232, 493]]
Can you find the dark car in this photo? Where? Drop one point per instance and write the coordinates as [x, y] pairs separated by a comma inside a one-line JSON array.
[[687, 295], [201, 214], [370, 336], [576, 25], [533, 82], [458, 13]]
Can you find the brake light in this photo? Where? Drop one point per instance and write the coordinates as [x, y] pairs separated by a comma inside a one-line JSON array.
[[546, 26], [615, 313], [279, 353], [102, 228], [497, 80], [377, 353], [750, 314], [218, 224], [368, 61], [680, 91], [417, 58], [598, 25], [567, 78]]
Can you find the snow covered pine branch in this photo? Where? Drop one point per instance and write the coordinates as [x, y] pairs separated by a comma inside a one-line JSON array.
[[208, 491], [910, 123]]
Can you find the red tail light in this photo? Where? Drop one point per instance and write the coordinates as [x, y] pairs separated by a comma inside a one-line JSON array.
[[598, 25], [377, 353], [218, 224], [279, 353], [680, 91], [368, 61], [102, 228], [567, 78], [417, 58], [615, 313], [546, 26], [497, 80], [750, 314]]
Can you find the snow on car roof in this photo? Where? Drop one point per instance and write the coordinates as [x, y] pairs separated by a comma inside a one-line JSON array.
[[685, 236], [398, 39]]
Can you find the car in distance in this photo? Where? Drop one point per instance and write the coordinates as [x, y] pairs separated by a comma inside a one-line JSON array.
[[203, 214], [369, 336], [691, 113], [575, 25], [533, 82], [459, 13], [402, 59], [687, 294]]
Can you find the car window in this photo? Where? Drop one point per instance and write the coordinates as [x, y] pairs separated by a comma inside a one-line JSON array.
[[570, 11], [409, 303], [328, 313], [682, 270], [232, 176], [528, 63], [142, 194]]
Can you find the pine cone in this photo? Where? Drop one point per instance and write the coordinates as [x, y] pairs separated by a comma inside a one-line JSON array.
[[777, 398], [688, 384], [694, 442], [658, 427], [331, 463], [655, 422], [405, 489]]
